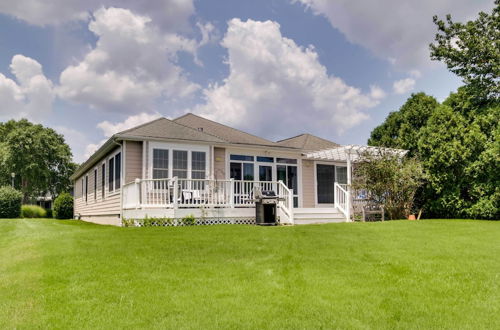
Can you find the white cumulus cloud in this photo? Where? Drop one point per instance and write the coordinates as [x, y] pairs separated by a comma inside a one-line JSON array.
[[397, 30], [30, 96], [276, 87], [403, 86], [132, 65], [110, 128]]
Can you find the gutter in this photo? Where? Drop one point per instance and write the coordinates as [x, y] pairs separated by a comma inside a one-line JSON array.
[[105, 148]]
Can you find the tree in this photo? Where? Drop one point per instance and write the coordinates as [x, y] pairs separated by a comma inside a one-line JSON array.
[[472, 51], [401, 128], [391, 181], [38, 156]]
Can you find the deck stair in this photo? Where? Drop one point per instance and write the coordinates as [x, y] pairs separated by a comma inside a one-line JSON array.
[[317, 215]]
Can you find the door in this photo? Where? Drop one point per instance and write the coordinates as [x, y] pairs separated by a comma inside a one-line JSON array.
[[325, 184], [288, 174]]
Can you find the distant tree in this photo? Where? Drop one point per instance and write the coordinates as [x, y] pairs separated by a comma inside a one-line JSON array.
[[401, 129], [472, 51], [38, 156]]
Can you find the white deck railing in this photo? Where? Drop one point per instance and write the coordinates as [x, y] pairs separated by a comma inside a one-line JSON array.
[[343, 200], [175, 193]]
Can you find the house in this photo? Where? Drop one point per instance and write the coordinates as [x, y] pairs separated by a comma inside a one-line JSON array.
[[195, 166]]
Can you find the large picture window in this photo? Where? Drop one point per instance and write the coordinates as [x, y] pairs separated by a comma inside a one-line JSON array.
[[180, 164], [160, 163]]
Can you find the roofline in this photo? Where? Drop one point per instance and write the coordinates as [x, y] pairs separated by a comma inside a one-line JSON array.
[[220, 143], [215, 122], [95, 157]]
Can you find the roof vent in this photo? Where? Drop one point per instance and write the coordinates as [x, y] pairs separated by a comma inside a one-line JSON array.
[[200, 129]]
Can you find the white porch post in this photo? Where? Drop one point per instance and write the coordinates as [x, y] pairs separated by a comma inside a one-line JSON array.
[[231, 193], [175, 192], [349, 182]]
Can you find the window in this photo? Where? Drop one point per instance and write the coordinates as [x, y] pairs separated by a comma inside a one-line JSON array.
[[83, 187], [160, 163], [198, 165], [286, 161], [242, 158], [289, 175], [118, 170], [241, 171], [180, 164], [111, 174], [265, 159], [265, 173], [86, 187], [95, 183], [341, 174], [114, 172], [103, 179]]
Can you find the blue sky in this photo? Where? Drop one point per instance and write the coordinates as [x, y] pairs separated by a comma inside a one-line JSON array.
[[273, 68]]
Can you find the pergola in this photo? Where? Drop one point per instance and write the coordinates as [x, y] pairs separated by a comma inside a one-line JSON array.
[[352, 153]]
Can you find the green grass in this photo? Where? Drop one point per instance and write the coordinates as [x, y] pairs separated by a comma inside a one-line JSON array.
[[399, 274]]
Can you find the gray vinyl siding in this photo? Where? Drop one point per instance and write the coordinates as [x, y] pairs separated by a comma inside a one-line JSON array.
[[133, 160]]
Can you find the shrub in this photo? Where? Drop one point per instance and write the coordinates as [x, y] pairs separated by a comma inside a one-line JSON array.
[[63, 206], [33, 211], [10, 202], [49, 213], [189, 220]]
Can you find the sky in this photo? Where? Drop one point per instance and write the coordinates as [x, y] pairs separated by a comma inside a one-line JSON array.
[[274, 68]]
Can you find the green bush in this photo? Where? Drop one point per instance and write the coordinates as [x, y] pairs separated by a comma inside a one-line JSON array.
[[189, 220], [33, 211], [49, 213], [10, 202], [63, 206]]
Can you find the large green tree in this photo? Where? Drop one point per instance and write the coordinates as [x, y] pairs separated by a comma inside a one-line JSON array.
[[38, 156], [458, 140], [472, 51], [401, 129]]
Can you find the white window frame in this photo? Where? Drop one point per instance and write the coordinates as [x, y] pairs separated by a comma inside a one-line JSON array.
[[180, 147], [115, 190]]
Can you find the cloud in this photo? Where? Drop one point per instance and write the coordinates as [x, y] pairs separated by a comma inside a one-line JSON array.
[[31, 96], [169, 14], [277, 87], [399, 31], [109, 128], [403, 86], [131, 65]]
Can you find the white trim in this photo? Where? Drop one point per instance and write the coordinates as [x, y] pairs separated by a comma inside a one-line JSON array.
[[115, 191], [144, 146]]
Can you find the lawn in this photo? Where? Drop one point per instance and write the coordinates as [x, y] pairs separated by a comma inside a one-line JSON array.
[[396, 274]]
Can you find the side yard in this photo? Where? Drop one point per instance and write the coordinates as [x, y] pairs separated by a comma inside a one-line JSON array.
[[397, 274]]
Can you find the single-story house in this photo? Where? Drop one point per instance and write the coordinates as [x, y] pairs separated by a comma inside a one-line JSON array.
[[195, 166]]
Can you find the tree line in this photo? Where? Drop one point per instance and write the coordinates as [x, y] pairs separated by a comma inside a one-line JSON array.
[[456, 141]]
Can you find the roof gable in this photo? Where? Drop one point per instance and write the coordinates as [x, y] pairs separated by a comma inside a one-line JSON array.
[[164, 128], [229, 134], [307, 142]]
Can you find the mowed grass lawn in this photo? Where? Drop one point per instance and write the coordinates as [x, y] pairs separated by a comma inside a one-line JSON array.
[[399, 274]]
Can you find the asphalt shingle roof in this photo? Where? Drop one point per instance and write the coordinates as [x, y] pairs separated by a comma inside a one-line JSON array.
[[167, 129], [307, 142], [229, 134]]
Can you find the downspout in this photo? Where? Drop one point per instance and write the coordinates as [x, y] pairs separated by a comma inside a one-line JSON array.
[[122, 175]]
